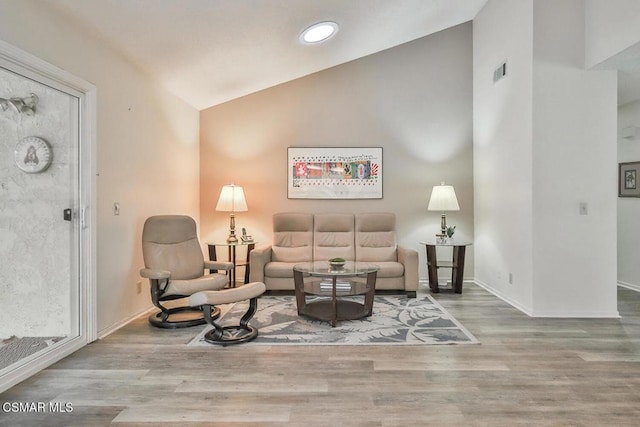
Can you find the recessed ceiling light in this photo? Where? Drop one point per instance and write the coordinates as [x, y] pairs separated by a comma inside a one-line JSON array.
[[319, 32]]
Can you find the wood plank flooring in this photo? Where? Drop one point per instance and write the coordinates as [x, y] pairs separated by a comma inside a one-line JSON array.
[[526, 371]]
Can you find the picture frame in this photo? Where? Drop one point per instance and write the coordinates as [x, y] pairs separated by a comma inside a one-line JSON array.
[[334, 172], [629, 179]]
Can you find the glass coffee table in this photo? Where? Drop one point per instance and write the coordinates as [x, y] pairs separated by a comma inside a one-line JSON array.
[[327, 286]]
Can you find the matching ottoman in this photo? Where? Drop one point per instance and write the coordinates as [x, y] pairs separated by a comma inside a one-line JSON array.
[[225, 335]]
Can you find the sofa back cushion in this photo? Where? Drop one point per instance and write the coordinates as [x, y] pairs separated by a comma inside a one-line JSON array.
[[333, 236], [376, 237], [292, 237]]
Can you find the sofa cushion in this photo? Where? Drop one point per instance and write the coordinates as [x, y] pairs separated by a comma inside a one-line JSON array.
[[389, 269], [376, 237], [292, 237], [333, 236], [279, 269], [286, 254]]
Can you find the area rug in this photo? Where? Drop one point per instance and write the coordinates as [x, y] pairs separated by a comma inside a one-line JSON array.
[[396, 319]]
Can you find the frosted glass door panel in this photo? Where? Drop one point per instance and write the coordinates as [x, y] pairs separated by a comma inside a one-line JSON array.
[[39, 249]]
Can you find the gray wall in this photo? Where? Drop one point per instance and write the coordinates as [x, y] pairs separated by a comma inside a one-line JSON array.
[[543, 145], [414, 101]]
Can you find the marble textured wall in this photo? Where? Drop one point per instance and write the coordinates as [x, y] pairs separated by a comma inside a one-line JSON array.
[[37, 293]]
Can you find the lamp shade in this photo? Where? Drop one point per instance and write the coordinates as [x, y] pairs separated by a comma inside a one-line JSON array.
[[232, 199], [443, 198]]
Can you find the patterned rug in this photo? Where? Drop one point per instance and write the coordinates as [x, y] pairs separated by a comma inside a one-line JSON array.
[[395, 320]]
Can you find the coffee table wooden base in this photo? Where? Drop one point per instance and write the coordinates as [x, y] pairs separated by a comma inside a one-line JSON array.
[[327, 297], [344, 310]]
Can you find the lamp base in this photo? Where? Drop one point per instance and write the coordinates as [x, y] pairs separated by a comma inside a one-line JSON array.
[[232, 230], [443, 224]]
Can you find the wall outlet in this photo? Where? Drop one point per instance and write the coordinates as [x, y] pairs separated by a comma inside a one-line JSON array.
[[139, 287]]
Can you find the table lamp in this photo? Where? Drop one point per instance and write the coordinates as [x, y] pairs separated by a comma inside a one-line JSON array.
[[232, 200], [443, 198]]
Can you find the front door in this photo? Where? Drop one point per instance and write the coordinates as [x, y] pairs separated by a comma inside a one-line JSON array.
[[42, 220]]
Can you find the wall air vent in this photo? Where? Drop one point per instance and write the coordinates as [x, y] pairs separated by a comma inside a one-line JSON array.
[[500, 72]]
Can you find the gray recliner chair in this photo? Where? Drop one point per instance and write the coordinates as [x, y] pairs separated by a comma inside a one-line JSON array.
[[175, 267]]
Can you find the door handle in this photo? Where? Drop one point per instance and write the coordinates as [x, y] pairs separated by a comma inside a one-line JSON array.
[[83, 217]]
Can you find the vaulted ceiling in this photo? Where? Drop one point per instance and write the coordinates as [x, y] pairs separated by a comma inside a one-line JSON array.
[[211, 51]]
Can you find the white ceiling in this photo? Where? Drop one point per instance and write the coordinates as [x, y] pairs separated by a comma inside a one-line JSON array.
[[211, 51]]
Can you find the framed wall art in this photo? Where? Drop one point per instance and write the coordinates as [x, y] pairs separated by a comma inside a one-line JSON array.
[[628, 176], [334, 172]]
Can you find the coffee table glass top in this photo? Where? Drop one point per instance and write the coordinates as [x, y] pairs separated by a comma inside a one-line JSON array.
[[324, 269]]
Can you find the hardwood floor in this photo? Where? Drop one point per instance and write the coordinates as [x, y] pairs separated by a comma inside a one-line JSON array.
[[526, 371]]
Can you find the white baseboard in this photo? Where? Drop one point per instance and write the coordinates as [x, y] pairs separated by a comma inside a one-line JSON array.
[[531, 313], [504, 298], [111, 329]]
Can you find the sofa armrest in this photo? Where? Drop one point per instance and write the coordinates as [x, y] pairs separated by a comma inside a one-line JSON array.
[[258, 258], [409, 259]]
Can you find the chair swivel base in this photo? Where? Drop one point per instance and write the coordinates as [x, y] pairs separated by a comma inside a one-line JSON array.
[[162, 319], [227, 335]]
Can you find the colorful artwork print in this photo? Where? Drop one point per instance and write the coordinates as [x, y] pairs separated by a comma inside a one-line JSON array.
[[335, 173]]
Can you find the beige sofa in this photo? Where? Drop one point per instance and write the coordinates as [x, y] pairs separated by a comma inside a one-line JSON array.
[[364, 237]]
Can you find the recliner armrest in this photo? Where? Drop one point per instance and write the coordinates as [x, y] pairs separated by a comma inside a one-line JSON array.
[[258, 258], [218, 265], [409, 259], [155, 274]]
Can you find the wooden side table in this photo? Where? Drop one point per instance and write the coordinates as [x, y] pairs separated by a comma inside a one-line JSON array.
[[231, 256], [456, 264]]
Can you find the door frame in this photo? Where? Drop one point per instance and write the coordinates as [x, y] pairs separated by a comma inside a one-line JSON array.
[[41, 71]]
